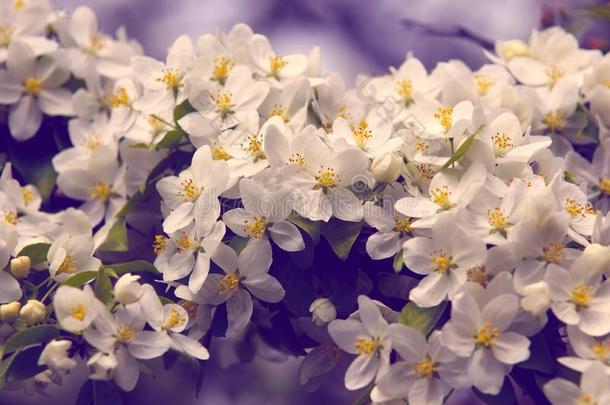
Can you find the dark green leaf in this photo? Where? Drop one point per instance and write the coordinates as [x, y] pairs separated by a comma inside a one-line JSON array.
[[4, 366], [311, 227], [460, 152], [80, 279], [182, 109], [25, 365], [103, 287], [505, 397], [98, 393], [37, 252], [422, 319], [170, 139], [341, 235], [134, 266], [116, 241], [30, 336]]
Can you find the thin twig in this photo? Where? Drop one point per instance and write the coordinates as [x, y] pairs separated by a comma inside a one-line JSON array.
[[448, 30]]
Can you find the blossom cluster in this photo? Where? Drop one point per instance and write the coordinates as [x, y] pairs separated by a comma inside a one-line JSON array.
[[445, 229]]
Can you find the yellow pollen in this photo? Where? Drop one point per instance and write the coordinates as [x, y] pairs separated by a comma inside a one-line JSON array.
[[601, 349], [425, 171], [10, 217], [279, 111], [604, 185], [420, 145], [189, 191], [553, 252], [554, 121], [228, 284], [444, 115], [484, 83], [255, 228], [327, 177], [184, 242], [574, 209], [19, 4], [6, 34], [402, 225], [361, 133], [78, 312], [554, 73], [486, 335], [254, 145], [223, 103], [581, 295], [343, 113], [501, 143], [159, 244], [606, 82], [296, 159], [125, 333], [96, 43], [477, 275], [366, 346], [190, 307], [68, 266], [222, 67], [405, 90], [497, 220], [174, 319], [120, 98], [441, 262], [32, 86], [92, 142], [219, 153], [276, 64], [424, 368], [170, 78], [27, 196], [441, 197], [101, 191]]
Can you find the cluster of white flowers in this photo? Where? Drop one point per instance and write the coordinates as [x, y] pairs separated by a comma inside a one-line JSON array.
[[470, 181]]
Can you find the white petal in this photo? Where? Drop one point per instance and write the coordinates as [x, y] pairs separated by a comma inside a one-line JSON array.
[[287, 236]]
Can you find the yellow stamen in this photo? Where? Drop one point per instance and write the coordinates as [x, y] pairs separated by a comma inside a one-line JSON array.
[[174, 319], [601, 350], [19, 4], [553, 252], [486, 335], [254, 145], [581, 295], [6, 34], [223, 103], [361, 133], [279, 111], [441, 262], [574, 209], [424, 368], [219, 153], [484, 83], [497, 220], [402, 225], [10, 217], [444, 115], [189, 191], [78, 312], [125, 333], [96, 43], [255, 228], [67, 266], [421, 145], [327, 177], [184, 242], [222, 67], [501, 143], [554, 121], [585, 399], [170, 78], [92, 142], [276, 64], [441, 197], [554, 73], [120, 98], [366, 346], [228, 284], [32, 86], [27, 196], [296, 159], [604, 185], [405, 90], [477, 275], [101, 191], [160, 244], [425, 170]]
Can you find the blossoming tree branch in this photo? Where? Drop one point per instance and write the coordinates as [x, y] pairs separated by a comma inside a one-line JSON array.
[[425, 231]]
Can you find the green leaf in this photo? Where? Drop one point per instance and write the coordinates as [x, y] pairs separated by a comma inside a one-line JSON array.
[[98, 393], [116, 241], [505, 397], [311, 227], [30, 291], [170, 139], [103, 287], [134, 266], [4, 366], [182, 109], [399, 262], [422, 319], [540, 356], [460, 152], [30, 336], [341, 235], [37, 252], [80, 279], [25, 365]]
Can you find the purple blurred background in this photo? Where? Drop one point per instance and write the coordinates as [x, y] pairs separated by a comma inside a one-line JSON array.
[[356, 36]]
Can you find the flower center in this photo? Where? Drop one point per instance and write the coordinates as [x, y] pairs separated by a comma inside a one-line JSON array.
[[254, 145], [171, 78], [554, 73], [67, 266], [402, 225], [477, 274], [6, 33], [10, 217], [484, 83], [441, 197], [444, 115], [554, 121], [581, 295], [223, 103], [553, 252], [96, 43], [296, 159], [279, 111], [120, 98], [222, 67], [604, 185], [420, 145], [425, 171], [424, 368], [486, 335], [174, 319], [327, 177], [366, 346], [276, 64], [219, 153], [601, 350], [585, 399], [405, 90], [501, 143], [159, 244], [27, 196], [189, 191], [125, 333], [32, 86], [574, 209], [184, 242], [441, 262], [78, 312], [497, 220], [228, 284], [101, 191], [361, 133], [256, 227]]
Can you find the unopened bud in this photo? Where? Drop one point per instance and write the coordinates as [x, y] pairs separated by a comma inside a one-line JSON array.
[[102, 365], [537, 298], [33, 312], [513, 48], [127, 290], [386, 168], [20, 266], [322, 311], [10, 311]]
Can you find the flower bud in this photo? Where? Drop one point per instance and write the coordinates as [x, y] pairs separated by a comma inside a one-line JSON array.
[[127, 290], [513, 48], [20, 266], [33, 312], [55, 356], [102, 365], [322, 311], [537, 298], [386, 168], [595, 260], [10, 311]]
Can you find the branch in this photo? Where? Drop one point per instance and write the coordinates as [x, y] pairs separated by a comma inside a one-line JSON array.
[[446, 30]]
